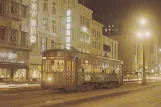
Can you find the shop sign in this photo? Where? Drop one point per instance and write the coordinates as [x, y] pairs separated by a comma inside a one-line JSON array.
[[10, 56]]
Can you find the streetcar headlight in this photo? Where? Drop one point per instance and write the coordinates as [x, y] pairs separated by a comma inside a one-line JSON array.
[[49, 78]]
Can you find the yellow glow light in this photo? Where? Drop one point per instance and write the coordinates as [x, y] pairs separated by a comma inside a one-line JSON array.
[[143, 21]]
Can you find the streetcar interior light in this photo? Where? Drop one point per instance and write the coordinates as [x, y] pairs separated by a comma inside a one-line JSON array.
[[44, 58]]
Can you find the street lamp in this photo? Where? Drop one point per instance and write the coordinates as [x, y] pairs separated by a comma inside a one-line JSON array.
[[143, 35], [143, 21]]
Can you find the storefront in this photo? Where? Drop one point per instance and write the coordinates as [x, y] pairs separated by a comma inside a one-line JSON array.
[[35, 68], [13, 65]]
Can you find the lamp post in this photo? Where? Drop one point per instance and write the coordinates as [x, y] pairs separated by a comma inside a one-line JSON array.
[[143, 35]]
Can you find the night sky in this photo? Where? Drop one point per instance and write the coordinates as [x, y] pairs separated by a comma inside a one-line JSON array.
[[112, 10], [124, 8]]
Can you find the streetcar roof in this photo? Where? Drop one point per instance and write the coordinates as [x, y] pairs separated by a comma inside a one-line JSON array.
[[78, 52]]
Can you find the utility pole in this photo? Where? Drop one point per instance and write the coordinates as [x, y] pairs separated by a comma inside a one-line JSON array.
[[144, 72]]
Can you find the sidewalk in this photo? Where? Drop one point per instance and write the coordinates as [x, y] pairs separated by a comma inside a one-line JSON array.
[[17, 85]]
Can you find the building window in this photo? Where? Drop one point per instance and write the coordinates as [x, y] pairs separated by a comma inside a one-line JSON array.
[[24, 11], [46, 5], [95, 33], [2, 33], [45, 22], [95, 45], [54, 8], [54, 26], [13, 36], [99, 34], [84, 21], [1, 6], [92, 44], [14, 8], [84, 38], [24, 39], [99, 46], [44, 43]]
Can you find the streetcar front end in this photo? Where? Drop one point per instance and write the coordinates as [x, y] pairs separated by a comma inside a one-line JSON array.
[[52, 73]]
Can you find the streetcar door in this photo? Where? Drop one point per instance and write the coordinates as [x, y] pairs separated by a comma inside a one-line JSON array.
[[70, 73]]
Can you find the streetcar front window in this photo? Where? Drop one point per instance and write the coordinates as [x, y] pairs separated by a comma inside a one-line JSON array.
[[53, 65]]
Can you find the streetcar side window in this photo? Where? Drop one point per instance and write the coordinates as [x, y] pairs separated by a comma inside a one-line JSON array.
[[81, 69]]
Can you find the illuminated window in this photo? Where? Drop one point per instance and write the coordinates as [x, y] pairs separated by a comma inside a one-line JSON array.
[[84, 29], [44, 43], [105, 30], [54, 26], [54, 8], [46, 5], [109, 29], [68, 26], [1, 6], [14, 8], [84, 22]]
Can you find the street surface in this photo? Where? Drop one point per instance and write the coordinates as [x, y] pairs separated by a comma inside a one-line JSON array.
[[129, 95], [150, 97]]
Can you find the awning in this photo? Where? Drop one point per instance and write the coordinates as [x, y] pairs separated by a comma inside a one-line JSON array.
[[13, 65]]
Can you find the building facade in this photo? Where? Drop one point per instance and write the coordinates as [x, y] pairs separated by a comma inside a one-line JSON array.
[[29, 27], [64, 24], [14, 40], [45, 31], [110, 48], [96, 38]]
